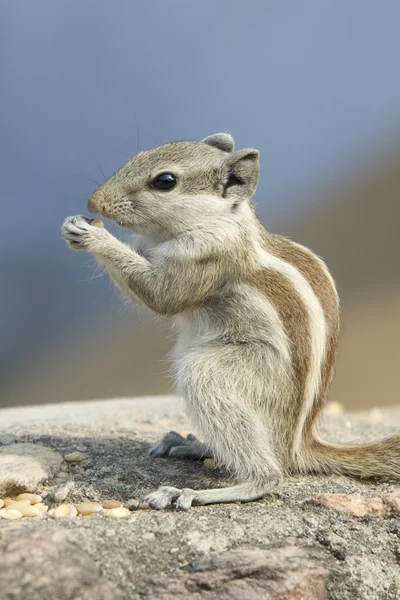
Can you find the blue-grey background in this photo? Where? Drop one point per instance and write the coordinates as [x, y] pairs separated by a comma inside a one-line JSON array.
[[314, 85]]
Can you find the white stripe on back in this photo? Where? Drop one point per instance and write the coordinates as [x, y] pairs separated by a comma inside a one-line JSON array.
[[317, 332]]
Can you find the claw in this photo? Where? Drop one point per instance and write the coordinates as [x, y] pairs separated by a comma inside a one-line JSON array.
[[162, 497], [167, 496]]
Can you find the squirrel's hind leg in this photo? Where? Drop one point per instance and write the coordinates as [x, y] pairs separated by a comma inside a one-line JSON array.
[[185, 498], [174, 445]]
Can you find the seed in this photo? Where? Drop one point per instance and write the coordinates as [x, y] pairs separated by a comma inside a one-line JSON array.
[[144, 506], [119, 513], [132, 504], [43, 508], [19, 503], [1, 502], [210, 463], [97, 223], [74, 457], [88, 508], [64, 511], [335, 408], [33, 498], [112, 504], [26, 510], [10, 515]]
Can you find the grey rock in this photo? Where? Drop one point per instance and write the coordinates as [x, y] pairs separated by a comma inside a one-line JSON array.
[[271, 548], [46, 563], [24, 466], [248, 573]]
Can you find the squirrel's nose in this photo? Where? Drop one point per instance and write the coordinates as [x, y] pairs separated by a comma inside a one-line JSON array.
[[96, 201]]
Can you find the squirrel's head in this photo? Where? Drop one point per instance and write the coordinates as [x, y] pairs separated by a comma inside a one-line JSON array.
[[176, 186]]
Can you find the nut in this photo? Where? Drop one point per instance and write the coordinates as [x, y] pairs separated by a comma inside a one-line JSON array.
[[73, 457], [26, 510], [64, 511], [32, 498], [10, 515], [112, 504], [97, 223], [88, 508]]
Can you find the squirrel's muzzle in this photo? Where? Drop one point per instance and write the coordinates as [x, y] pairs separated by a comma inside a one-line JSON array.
[[96, 202]]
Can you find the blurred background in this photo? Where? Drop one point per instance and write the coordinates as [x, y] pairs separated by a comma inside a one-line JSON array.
[[314, 85]]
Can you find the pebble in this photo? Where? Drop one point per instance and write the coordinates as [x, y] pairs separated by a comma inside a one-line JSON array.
[[62, 491], [210, 463], [119, 513], [88, 508], [132, 504], [111, 480], [10, 515], [112, 504], [32, 498], [73, 457]]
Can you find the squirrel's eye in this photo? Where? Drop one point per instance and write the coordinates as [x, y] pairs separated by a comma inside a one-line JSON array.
[[164, 181]]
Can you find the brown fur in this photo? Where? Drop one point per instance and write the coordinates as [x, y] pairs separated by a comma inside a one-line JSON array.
[[311, 269], [294, 317]]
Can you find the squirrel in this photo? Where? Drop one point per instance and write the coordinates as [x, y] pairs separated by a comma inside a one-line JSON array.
[[257, 314]]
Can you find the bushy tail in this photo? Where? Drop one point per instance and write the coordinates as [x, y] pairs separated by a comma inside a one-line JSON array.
[[378, 459]]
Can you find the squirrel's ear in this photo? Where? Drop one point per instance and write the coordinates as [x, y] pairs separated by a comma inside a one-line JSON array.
[[243, 171], [222, 141]]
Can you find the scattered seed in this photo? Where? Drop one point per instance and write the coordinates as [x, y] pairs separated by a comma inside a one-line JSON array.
[[97, 223], [43, 508], [210, 463], [144, 506], [335, 408], [33, 498], [1, 502], [73, 457], [20, 502], [10, 515], [64, 511], [28, 510], [19, 505], [88, 508], [8, 501], [112, 504], [119, 513]]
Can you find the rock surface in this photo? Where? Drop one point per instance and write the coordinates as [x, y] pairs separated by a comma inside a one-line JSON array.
[[296, 543], [24, 466]]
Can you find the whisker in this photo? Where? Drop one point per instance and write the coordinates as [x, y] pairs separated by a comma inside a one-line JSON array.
[[87, 178], [138, 135], [102, 172]]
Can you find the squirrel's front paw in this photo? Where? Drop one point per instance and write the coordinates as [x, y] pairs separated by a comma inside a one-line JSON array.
[[80, 234]]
